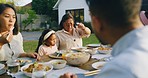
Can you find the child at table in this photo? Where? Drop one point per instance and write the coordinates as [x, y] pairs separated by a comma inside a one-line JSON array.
[[47, 43]]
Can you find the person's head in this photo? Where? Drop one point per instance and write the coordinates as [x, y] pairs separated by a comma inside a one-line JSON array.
[[67, 22], [113, 15], [48, 38], [8, 18]]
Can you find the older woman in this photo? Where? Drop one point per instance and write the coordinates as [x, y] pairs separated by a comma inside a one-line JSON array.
[[70, 36], [9, 33]]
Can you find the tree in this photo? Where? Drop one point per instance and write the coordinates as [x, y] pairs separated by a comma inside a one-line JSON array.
[[45, 7], [30, 20], [2, 1]]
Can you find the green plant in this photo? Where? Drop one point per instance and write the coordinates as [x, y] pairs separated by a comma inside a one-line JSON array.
[[2, 1], [22, 10], [30, 20]]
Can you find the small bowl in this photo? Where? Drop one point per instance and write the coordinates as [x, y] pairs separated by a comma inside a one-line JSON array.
[[58, 64], [104, 49], [98, 65]]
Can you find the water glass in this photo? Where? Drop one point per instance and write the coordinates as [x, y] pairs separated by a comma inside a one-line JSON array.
[[39, 73]]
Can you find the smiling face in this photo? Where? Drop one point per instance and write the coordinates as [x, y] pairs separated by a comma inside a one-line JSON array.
[[7, 19], [68, 25]]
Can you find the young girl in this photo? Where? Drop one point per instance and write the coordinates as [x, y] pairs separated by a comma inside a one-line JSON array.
[[47, 43]]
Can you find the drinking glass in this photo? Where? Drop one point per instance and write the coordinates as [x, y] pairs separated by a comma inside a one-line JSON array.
[[13, 66], [39, 73]]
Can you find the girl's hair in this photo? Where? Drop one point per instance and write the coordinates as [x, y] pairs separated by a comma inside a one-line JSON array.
[[64, 18], [42, 38], [4, 7]]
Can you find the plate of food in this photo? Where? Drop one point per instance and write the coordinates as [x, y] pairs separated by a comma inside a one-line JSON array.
[[56, 55], [28, 69], [98, 65], [78, 49], [19, 61], [93, 45]]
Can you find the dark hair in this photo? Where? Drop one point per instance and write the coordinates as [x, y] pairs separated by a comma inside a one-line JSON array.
[[115, 12], [41, 39], [64, 18], [4, 7]]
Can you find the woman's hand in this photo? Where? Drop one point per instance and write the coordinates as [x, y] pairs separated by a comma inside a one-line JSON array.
[[34, 55], [68, 75], [80, 26], [5, 37]]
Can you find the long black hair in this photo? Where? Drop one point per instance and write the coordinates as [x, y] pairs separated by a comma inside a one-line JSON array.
[[41, 39], [4, 7]]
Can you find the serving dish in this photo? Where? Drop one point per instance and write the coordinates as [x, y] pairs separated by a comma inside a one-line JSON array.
[[77, 58], [27, 69]]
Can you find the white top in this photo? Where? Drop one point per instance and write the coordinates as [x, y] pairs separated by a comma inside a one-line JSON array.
[[66, 41], [130, 56], [16, 46], [45, 50]]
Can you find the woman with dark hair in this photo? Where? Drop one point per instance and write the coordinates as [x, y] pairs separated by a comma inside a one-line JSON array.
[[9, 31], [70, 36]]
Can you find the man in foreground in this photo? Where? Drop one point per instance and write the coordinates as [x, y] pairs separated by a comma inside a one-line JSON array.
[[117, 22]]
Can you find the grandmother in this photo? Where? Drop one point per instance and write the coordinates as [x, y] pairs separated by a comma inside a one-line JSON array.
[[70, 36]]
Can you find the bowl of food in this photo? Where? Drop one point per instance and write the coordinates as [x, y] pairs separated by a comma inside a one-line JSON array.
[[28, 69], [91, 50], [104, 49], [98, 65], [77, 58], [58, 64]]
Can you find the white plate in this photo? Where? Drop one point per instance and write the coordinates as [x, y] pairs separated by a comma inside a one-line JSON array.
[[2, 66], [30, 74], [78, 49], [98, 65], [93, 45]]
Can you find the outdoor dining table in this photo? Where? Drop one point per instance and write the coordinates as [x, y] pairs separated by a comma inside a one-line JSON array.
[[69, 68]]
